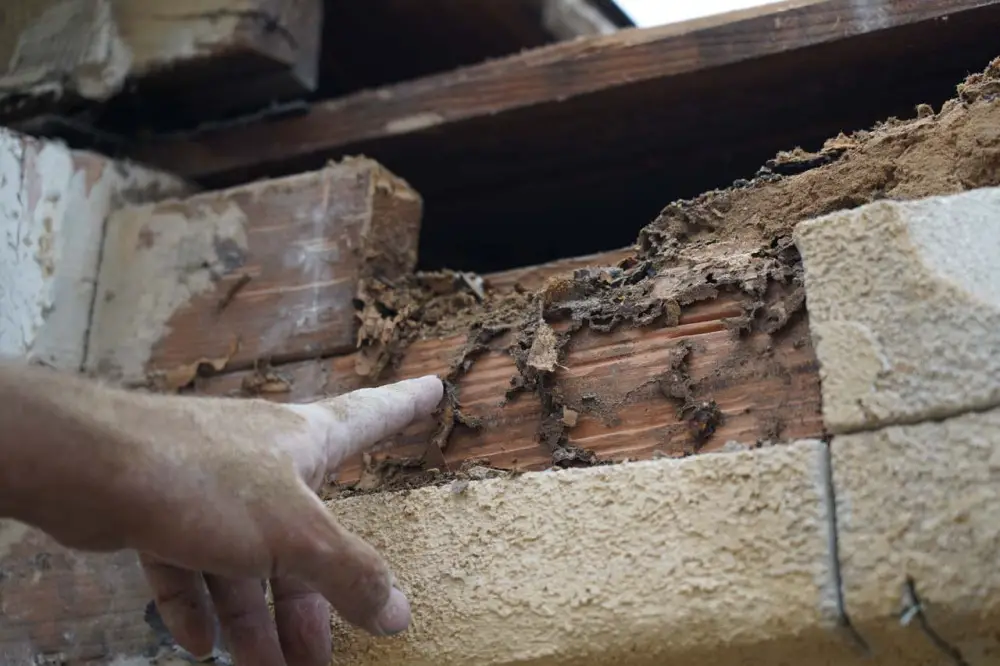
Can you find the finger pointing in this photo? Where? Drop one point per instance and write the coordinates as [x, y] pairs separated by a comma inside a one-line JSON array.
[[360, 419]]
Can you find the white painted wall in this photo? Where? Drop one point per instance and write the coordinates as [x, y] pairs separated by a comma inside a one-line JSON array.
[[53, 205]]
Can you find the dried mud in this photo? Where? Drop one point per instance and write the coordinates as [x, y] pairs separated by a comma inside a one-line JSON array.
[[734, 240]]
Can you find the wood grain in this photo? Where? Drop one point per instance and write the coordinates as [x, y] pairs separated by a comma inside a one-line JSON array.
[[262, 271], [767, 387], [388, 41], [87, 609]]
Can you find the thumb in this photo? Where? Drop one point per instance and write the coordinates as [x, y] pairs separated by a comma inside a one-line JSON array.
[[342, 567]]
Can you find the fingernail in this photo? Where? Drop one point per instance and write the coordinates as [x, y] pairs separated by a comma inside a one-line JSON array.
[[429, 394], [394, 618]]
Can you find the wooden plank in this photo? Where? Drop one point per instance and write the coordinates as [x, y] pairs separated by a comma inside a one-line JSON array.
[[542, 143], [204, 57], [381, 42], [561, 72], [261, 271], [766, 387]]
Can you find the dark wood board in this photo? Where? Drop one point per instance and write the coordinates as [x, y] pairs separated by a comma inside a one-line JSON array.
[[562, 140]]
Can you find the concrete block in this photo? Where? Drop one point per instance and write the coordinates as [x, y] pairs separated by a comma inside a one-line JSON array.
[[904, 308], [721, 557], [53, 206], [262, 271], [921, 503]]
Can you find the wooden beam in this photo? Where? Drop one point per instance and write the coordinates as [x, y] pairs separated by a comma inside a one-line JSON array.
[[382, 42], [204, 58], [564, 73], [261, 271], [766, 387], [672, 306], [552, 143]]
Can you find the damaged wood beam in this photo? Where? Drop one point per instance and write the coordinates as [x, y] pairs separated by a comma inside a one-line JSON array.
[[199, 58], [633, 393], [696, 338], [261, 272]]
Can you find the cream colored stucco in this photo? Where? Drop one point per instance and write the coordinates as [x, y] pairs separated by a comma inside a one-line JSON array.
[[904, 308], [645, 563], [922, 502]]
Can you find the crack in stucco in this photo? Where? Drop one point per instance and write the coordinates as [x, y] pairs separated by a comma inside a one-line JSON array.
[[844, 624], [913, 609]]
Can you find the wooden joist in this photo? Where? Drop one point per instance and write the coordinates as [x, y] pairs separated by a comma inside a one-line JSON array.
[[765, 387], [548, 142], [198, 58], [261, 272], [388, 41]]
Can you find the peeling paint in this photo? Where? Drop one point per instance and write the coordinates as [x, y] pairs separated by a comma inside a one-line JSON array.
[[53, 206]]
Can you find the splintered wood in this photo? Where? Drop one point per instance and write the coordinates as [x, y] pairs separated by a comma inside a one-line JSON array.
[[261, 272]]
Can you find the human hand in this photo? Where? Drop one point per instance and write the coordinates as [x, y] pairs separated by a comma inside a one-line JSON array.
[[230, 502]]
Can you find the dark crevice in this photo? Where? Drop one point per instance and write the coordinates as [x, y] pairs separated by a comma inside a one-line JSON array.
[[913, 610]]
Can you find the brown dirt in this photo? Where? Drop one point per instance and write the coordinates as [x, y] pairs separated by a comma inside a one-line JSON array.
[[735, 240]]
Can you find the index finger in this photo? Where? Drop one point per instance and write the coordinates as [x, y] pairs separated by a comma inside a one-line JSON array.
[[360, 419]]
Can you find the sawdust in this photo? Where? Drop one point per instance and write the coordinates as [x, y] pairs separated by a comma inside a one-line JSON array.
[[954, 150], [736, 240]]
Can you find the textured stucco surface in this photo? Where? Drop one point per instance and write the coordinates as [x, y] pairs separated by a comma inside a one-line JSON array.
[[922, 502], [904, 308], [639, 563], [53, 207]]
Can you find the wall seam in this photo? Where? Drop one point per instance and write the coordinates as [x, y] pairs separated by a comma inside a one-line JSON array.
[[844, 625]]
